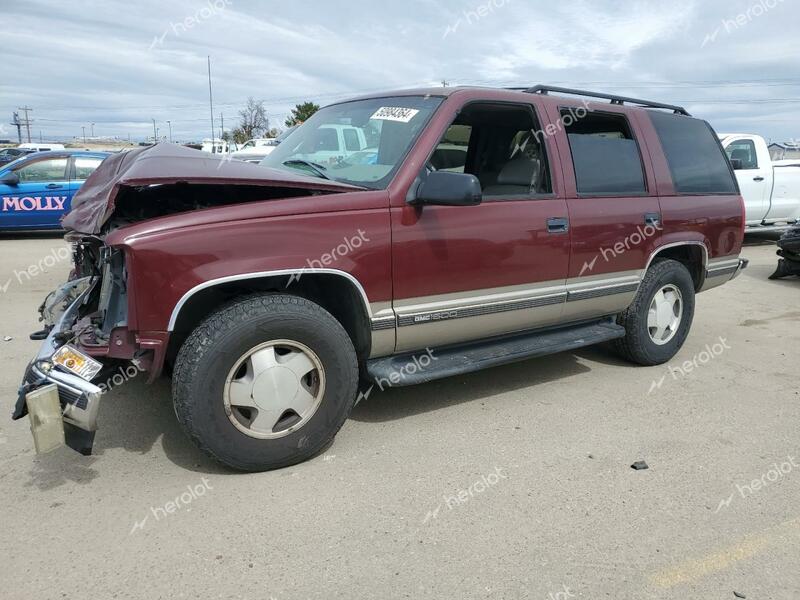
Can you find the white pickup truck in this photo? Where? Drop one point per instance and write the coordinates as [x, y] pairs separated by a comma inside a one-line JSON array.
[[771, 189]]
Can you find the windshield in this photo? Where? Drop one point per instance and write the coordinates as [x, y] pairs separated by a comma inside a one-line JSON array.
[[361, 142], [16, 163]]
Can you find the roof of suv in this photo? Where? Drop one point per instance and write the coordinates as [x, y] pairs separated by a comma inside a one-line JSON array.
[[563, 95]]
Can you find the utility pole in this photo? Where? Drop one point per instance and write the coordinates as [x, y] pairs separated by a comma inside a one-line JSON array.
[[40, 136], [27, 121], [445, 83], [221, 126], [16, 123], [211, 105], [170, 131], [155, 133], [92, 124], [83, 130]]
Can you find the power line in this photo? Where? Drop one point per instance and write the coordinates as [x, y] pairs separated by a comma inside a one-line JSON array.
[[676, 85], [778, 82], [733, 101]]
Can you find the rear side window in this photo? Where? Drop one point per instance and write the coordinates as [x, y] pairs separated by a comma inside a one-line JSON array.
[[85, 166], [744, 151], [605, 155], [694, 155]]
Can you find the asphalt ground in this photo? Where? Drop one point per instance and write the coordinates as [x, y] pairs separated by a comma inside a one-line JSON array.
[[514, 482]]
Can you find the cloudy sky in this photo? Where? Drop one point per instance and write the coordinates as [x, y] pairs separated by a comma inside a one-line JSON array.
[[120, 64]]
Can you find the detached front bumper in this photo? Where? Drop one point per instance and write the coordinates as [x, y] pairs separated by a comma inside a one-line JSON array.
[[80, 399]]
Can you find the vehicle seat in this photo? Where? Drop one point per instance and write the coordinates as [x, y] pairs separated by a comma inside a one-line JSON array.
[[516, 177], [744, 156]]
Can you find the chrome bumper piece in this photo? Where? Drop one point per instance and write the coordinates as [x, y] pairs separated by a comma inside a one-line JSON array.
[[743, 264], [722, 271], [80, 399]]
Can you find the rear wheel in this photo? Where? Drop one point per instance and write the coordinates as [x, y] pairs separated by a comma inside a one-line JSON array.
[[660, 317], [265, 382]]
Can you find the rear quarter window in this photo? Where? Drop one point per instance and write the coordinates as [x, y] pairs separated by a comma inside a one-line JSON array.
[[605, 155], [695, 157]]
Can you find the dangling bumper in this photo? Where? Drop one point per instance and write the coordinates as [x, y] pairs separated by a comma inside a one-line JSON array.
[[79, 399]]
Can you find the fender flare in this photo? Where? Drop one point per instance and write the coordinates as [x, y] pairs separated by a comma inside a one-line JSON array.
[[261, 274]]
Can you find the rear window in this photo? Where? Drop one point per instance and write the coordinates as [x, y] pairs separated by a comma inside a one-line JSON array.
[[351, 142], [605, 155], [326, 140], [695, 157]]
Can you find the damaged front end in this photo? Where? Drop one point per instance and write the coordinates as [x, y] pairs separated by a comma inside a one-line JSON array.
[[84, 335], [91, 323]]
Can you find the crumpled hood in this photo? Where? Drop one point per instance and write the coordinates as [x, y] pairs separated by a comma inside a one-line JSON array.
[[167, 164]]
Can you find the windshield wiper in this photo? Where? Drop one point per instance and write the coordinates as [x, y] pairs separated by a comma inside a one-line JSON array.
[[317, 168]]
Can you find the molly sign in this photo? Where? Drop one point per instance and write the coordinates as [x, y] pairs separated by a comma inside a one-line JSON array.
[[33, 203]]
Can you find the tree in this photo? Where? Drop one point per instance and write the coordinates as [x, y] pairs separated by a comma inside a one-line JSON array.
[[239, 136], [254, 121], [301, 113]]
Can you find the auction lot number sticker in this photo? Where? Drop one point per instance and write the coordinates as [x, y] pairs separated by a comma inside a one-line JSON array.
[[395, 113]]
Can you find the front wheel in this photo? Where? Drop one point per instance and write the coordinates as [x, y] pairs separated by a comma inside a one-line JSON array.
[[265, 382], [660, 317]]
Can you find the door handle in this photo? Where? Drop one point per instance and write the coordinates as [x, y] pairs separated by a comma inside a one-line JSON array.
[[557, 225], [653, 219], [54, 186], [759, 178]]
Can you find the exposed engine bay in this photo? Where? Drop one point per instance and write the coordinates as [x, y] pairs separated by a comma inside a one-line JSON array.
[[134, 204]]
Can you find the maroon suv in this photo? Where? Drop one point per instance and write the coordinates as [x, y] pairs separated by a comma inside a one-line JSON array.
[[393, 239]]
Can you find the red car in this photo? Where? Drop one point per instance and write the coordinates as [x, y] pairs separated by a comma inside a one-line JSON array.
[[492, 226]]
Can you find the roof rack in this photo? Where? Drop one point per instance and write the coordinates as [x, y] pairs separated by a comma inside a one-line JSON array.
[[546, 89]]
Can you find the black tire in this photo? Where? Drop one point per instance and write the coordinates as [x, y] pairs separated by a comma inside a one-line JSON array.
[[637, 346], [214, 347]]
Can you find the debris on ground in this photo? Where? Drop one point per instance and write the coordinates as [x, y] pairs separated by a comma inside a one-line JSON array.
[[738, 595], [8, 338], [639, 465]]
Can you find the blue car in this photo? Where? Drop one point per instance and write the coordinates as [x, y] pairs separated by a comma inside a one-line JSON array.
[[37, 189]]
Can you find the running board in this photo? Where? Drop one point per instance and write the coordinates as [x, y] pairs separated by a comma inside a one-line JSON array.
[[429, 365]]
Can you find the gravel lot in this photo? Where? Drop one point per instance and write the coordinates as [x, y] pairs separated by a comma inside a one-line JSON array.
[[510, 483]]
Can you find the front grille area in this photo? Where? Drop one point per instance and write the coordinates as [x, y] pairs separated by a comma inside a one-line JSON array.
[[66, 395], [69, 397]]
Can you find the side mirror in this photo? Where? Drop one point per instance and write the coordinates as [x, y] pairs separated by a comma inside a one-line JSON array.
[[449, 189], [9, 178], [737, 164]]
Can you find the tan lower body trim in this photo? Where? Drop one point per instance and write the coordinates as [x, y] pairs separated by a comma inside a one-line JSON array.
[[465, 316]]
